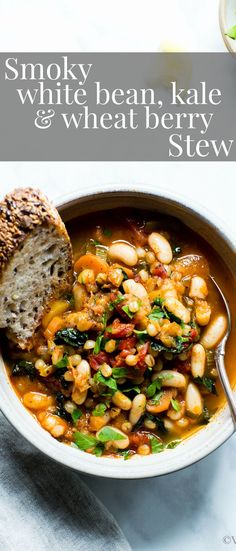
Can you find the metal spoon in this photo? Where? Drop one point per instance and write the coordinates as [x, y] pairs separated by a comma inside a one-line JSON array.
[[220, 360]]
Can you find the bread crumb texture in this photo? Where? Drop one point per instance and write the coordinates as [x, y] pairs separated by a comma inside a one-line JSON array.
[[36, 262]]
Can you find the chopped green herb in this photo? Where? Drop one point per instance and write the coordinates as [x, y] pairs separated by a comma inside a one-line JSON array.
[[124, 275], [71, 336], [156, 314], [176, 249], [126, 454], [162, 312], [107, 232], [151, 389], [98, 450], [106, 381], [157, 384], [63, 362], [119, 299], [104, 319], [175, 405], [134, 388], [84, 441], [119, 372], [158, 301], [99, 410], [113, 304], [156, 398], [171, 445], [98, 343], [108, 434], [142, 335], [140, 332], [76, 414], [127, 311], [94, 242], [232, 32], [156, 445]]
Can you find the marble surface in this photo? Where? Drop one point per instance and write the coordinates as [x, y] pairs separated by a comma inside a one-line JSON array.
[[194, 508]]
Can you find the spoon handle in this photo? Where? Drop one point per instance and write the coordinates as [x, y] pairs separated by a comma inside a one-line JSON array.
[[220, 364]]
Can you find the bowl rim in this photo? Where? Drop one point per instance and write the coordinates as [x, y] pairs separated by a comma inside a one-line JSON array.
[[138, 468], [229, 43]]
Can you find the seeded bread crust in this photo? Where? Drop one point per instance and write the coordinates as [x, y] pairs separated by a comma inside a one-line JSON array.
[[30, 227], [20, 212]]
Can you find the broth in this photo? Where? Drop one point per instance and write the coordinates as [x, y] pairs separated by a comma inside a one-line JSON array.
[[94, 234]]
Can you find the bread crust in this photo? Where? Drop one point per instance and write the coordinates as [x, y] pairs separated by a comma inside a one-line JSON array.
[[23, 212], [20, 212]]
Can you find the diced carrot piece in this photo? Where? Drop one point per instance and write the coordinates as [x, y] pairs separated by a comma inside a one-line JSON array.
[[57, 308], [55, 324], [154, 294], [162, 404], [92, 262]]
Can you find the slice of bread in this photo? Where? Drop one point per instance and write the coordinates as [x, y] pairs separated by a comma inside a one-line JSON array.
[[35, 262]]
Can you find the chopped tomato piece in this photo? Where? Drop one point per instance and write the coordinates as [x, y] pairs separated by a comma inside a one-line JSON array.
[[92, 262], [141, 355], [138, 230], [160, 271], [120, 330], [119, 359], [193, 334], [127, 344], [54, 325], [138, 439], [96, 360], [183, 367]]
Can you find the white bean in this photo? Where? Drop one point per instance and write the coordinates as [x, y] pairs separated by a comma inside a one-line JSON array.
[[132, 287], [120, 444], [124, 253], [214, 332], [137, 409], [176, 415], [198, 360], [82, 373], [79, 397], [171, 378], [52, 423], [37, 400], [161, 247], [169, 425], [121, 401], [178, 309], [198, 288], [193, 400], [203, 313]]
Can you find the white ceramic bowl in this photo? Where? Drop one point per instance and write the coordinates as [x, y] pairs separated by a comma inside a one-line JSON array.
[[192, 449], [227, 18]]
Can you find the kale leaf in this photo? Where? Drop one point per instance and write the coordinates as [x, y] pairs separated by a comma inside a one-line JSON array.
[[71, 336], [24, 367], [208, 383]]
